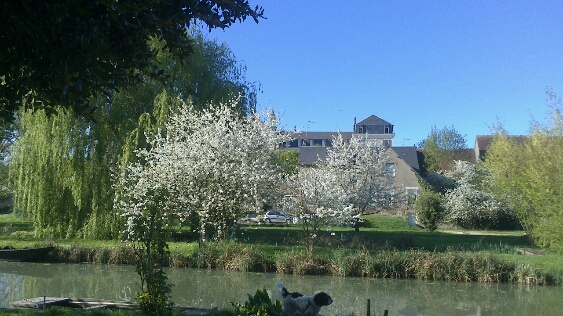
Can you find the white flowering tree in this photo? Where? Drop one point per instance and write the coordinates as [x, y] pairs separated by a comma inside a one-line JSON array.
[[470, 203], [362, 176], [211, 164], [356, 176], [366, 175], [318, 196]]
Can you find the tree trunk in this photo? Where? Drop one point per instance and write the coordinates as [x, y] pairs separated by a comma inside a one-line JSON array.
[[356, 224]]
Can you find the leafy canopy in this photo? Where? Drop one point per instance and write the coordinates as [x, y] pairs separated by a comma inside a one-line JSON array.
[[441, 147], [530, 170], [70, 161], [64, 52]]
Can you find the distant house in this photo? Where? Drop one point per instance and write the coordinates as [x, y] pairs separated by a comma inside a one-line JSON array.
[[473, 155], [377, 129], [312, 146], [482, 143]]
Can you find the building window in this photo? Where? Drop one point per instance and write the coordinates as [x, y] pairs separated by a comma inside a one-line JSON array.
[[361, 130], [412, 193], [387, 129], [388, 142], [390, 168]]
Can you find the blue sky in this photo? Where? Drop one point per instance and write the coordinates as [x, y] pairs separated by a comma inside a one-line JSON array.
[[415, 64]]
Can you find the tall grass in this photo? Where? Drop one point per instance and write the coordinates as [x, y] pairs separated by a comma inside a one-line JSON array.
[[228, 256], [484, 267]]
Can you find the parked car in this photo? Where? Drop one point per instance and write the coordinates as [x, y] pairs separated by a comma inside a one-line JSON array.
[[277, 217], [251, 218]]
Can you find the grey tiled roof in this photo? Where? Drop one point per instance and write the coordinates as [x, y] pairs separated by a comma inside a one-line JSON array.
[[310, 155], [373, 120], [320, 135], [408, 155]]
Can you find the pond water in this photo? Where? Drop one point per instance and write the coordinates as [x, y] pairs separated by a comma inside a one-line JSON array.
[[204, 288]]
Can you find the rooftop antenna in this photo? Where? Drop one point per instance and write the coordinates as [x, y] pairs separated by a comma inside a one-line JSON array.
[[404, 140], [307, 131]]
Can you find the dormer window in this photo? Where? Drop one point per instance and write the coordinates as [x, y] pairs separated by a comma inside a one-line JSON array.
[[361, 130], [387, 129]]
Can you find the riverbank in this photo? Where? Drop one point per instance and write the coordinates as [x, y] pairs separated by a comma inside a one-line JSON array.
[[420, 264], [386, 247]]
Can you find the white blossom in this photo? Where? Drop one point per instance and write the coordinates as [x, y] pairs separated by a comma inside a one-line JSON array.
[[211, 163], [468, 203], [354, 177]]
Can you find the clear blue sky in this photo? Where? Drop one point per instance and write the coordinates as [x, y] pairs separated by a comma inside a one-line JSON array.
[[415, 64]]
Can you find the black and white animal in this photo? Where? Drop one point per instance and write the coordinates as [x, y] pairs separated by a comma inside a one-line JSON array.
[[299, 304]]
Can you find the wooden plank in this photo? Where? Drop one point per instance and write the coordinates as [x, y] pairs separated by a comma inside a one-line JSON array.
[[41, 302], [93, 303]]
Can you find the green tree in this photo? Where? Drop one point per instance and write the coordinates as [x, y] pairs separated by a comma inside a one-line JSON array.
[[62, 53], [441, 147], [70, 160], [7, 137], [530, 170], [287, 161], [429, 209]]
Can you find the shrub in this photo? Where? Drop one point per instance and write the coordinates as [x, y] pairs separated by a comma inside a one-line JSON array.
[[468, 207], [429, 209], [258, 305]]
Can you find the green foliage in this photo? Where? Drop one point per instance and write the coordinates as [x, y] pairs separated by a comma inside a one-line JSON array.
[[441, 147], [61, 166], [56, 54], [54, 170], [149, 239], [258, 305], [438, 182], [7, 137], [287, 161], [429, 209], [530, 170]]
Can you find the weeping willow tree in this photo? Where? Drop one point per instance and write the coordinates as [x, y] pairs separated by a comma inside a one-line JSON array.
[[61, 166]]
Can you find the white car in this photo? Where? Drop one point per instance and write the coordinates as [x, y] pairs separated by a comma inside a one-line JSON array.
[[277, 217]]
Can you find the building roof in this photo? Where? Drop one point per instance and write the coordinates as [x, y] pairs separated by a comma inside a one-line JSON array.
[[311, 154], [320, 135], [461, 154], [483, 141], [373, 120], [409, 155]]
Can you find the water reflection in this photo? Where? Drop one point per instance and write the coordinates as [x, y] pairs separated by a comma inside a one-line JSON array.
[[203, 288]]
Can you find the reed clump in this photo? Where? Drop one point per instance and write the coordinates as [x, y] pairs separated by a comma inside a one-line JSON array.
[[227, 256], [120, 254], [448, 265], [302, 263], [484, 267]]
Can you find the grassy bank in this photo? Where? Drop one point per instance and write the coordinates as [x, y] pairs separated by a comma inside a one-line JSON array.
[[385, 247]]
